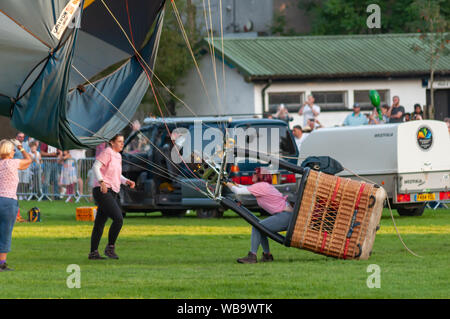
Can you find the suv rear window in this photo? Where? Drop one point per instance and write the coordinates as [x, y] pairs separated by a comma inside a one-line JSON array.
[[139, 143], [274, 138]]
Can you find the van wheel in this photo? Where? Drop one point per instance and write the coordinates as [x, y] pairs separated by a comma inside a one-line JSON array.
[[209, 213], [416, 211], [174, 213]]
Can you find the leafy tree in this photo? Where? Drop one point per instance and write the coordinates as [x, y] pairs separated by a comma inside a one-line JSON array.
[[349, 16], [279, 26], [435, 39]]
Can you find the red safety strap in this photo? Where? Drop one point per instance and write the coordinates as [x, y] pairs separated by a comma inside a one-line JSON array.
[[324, 241], [336, 188], [361, 189], [358, 199]]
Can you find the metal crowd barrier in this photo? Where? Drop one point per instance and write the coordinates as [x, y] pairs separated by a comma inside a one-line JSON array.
[[53, 179], [51, 171], [29, 183], [85, 179]]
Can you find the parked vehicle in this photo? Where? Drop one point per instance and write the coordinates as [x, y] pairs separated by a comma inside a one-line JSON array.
[[410, 160], [145, 161]]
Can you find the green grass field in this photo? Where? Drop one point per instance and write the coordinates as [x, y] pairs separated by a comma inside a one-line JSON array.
[[194, 258]]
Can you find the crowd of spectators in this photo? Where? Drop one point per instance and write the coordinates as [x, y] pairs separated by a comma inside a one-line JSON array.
[[55, 167], [389, 114], [57, 170], [395, 113]]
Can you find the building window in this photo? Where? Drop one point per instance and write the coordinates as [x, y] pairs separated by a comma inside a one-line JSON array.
[[292, 101], [362, 97], [333, 100]]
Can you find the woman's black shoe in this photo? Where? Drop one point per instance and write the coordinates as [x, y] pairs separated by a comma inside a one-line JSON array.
[[266, 257], [95, 255], [109, 251], [4, 267]]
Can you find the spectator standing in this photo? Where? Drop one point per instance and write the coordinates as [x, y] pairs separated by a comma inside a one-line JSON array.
[[407, 117], [373, 117], [35, 167], [309, 110], [356, 118], [50, 168], [283, 114], [68, 176], [299, 137], [396, 112], [313, 124], [78, 156], [9, 180], [35, 154], [24, 175], [418, 113], [376, 119]]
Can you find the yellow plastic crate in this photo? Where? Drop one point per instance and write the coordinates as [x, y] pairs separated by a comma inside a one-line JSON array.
[[86, 213]]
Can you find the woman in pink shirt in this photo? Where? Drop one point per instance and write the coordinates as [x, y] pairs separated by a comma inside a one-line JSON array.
[[273, 202], [108, 173], [9, 180]]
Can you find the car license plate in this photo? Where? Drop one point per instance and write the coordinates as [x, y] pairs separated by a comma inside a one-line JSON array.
[[425, 197]]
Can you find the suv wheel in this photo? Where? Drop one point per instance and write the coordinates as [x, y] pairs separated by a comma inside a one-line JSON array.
[[411, 211], [174, 213], [209, 213]]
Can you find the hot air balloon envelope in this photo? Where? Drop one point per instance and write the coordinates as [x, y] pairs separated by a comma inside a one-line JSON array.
[[70, 75]]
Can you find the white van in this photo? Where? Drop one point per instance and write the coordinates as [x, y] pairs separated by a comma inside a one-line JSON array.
[[410, 160]]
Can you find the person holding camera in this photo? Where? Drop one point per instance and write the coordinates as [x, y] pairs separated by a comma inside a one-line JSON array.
[[9, 180]]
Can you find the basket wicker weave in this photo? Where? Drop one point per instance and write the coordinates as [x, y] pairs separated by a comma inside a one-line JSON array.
[[336, 216]]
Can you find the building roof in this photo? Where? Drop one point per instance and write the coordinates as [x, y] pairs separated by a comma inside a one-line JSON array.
[[342, 56], [232, 120]]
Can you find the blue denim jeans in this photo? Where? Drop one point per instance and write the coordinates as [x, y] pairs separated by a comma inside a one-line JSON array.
[[275, 223], [8, 212]]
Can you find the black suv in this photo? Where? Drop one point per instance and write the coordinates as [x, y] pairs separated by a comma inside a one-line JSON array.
[[172, 188]]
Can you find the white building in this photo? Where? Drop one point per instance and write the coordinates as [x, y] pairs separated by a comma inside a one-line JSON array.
[[263, 72]]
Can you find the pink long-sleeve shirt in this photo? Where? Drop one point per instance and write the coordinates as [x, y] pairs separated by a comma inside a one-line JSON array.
[[267, 196]]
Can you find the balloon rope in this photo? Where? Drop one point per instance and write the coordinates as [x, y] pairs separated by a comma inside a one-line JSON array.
[[158, 167], [188, 44], [156, 98], [223, 54], [144, 62], [213, 55], [149, 69], [28, 31], [124, 117], [209, 32]]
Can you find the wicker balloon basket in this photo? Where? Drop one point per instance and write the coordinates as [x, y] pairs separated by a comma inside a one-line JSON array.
[[335, 216]]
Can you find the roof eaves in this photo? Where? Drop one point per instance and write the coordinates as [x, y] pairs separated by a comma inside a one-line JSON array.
[[299, 77]]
